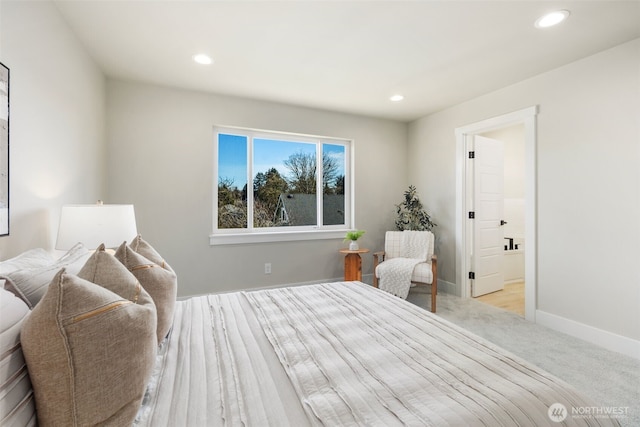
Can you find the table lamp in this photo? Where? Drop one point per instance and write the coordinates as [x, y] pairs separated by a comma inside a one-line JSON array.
[[93, 225]]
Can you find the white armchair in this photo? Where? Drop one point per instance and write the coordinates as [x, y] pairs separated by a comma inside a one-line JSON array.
[[425, 273]]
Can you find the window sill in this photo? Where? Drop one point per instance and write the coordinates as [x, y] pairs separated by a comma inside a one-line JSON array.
[[288, 236]]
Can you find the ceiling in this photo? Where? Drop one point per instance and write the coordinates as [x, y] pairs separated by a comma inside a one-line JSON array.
[[347, 56]]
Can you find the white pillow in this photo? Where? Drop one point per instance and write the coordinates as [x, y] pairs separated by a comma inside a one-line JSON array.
[[33, 258], [31, 283], [17, 402]]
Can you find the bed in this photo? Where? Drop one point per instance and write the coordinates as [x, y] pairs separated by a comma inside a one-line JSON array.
[[330, 354]]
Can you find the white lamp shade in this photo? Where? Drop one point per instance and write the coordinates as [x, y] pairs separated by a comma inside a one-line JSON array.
[[93, 225]]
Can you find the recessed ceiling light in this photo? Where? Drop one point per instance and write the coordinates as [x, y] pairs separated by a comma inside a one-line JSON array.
[[551, 19], [203, 59], [396, 98]]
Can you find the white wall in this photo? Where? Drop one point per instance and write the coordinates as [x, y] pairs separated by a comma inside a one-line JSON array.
[[56, 124], [588, 181], [160, 148]]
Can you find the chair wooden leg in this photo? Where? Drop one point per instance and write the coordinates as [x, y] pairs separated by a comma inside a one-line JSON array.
[[376, 261], [434, 292], [434, 282]]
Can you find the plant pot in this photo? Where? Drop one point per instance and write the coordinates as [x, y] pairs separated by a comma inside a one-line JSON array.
[[353, 246]]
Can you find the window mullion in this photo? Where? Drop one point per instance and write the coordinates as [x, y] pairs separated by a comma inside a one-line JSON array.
[[250, 198], [319, 185]]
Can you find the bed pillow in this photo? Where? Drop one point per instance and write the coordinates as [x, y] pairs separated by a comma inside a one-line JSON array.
[[161, 284], [90, 353], [33, 258], [142, 247], [16, 395], [31, 283], [105, 270]]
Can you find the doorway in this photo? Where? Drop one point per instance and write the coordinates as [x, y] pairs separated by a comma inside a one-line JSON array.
[[508, 294], [525, 118]]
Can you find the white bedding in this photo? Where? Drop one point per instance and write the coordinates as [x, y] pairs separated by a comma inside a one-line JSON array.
[[340, 354], [217, 368]]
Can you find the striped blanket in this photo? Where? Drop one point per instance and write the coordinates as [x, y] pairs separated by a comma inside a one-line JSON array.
[[342, 354]]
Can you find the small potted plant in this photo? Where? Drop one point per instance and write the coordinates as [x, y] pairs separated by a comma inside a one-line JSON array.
[[353, 237]]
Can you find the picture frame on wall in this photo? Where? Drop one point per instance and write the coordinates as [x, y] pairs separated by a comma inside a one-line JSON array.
[[4, 150]]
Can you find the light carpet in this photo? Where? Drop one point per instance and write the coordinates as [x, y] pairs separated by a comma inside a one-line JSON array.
[[610, 379]]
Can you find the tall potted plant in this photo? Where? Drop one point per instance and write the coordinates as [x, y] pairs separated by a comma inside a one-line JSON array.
[[411, 214]]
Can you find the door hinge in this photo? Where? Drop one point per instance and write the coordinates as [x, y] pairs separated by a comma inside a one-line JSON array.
[[472, 154], [472, 215], [472, 275]]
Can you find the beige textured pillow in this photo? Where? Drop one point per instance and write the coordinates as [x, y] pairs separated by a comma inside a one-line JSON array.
[[142, 247], [161, 284], [90, 353], [105, 270]]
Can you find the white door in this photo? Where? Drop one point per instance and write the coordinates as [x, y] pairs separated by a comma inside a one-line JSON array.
[[488, 202]]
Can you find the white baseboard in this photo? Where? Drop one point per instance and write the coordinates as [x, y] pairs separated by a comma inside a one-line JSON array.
[[608, 340], [449, 288]]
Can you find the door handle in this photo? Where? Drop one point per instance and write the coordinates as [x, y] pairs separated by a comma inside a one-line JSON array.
[[503, 222]]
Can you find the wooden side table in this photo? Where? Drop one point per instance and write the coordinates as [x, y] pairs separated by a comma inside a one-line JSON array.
[[353, 264]]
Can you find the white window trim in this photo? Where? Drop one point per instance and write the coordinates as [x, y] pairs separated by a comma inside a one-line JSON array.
[[283, 234], [287, 236]]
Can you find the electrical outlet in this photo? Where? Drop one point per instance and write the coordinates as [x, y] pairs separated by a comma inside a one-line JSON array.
[[267, 268]]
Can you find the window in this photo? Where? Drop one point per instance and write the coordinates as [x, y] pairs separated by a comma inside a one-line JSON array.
[[272, 186]]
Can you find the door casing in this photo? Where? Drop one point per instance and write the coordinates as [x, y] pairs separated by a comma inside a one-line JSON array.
[[526, 117]]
